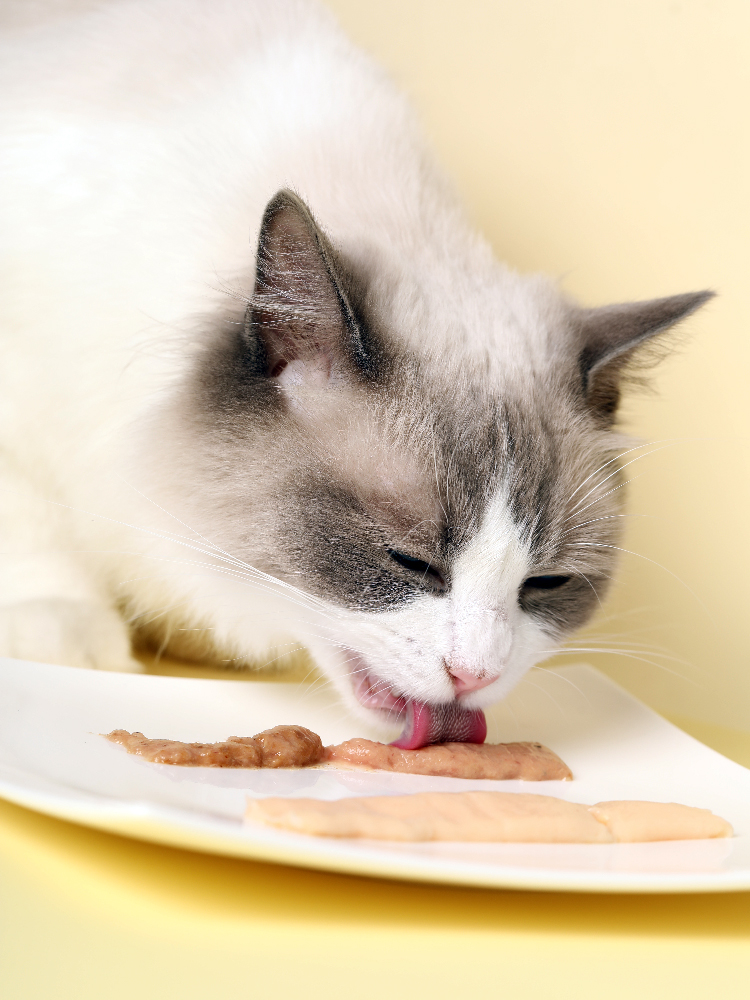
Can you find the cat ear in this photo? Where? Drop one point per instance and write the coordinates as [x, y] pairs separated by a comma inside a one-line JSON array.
[[299, 326], [610, 335]]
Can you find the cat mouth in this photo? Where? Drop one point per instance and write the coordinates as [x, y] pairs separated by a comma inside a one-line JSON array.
[[424, 722]]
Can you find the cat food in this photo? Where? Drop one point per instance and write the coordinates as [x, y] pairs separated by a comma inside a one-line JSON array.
[[498, 761], [295, 746], [282, 746], [633, 822], [488, 816]]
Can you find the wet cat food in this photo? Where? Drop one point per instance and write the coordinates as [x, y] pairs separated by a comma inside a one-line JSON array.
[[498, 761], [282, 746], [295, 746]]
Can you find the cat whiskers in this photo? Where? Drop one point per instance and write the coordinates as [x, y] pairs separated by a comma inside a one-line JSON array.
[[653, 451], [224, 564], [632, 654], [606, 517], [653, 649], [244, 572], [578, 572], [599, 499], [213, 550], [640, 555]]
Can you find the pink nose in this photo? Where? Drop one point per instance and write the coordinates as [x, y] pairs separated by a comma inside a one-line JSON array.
[[465, 680]]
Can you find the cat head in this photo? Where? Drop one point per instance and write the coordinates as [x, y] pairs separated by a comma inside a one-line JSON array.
[[428, 464]]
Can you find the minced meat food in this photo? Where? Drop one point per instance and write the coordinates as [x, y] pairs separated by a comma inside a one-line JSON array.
[[282, 746]]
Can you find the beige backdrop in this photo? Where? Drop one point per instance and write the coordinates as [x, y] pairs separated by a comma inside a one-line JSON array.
[[609, 145]]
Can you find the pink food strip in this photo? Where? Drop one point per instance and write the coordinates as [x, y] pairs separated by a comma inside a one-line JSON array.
[[498, 761], [633, 821], [476, 816], [282, 746], [488, 817]]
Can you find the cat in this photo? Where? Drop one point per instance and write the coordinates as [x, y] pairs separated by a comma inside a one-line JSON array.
[[263, 387]]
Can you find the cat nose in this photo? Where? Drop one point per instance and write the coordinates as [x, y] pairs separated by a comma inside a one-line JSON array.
[[465, 680]]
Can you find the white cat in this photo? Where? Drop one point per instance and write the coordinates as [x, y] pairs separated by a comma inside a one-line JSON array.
[[261, 384]]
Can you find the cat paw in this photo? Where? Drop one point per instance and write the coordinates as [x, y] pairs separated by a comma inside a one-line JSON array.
[[70, 633]]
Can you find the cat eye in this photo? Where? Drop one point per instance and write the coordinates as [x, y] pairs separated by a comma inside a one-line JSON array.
[[545, 582], [424, 569]]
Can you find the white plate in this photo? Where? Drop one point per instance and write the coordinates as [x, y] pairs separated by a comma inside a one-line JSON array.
[[53, 760]]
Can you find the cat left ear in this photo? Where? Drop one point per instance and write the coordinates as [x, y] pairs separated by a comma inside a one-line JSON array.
[[299, 326], [610, 335]]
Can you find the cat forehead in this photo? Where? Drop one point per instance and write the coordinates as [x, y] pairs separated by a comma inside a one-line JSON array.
[[473, 313], [494, 377], [440, 451]]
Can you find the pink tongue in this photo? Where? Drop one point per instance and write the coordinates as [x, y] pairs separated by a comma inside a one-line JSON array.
[[450, 723]]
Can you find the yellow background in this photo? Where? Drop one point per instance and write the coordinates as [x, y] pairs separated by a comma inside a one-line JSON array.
[[605, 142]]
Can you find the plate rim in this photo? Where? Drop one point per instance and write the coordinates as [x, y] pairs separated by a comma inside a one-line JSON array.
[[170, 826]]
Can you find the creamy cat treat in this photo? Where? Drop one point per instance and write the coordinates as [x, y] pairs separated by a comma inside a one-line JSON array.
[[633, 821], [488, 816]]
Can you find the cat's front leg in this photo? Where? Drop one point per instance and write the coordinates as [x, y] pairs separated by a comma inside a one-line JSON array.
[[51, 609], [73, 633]]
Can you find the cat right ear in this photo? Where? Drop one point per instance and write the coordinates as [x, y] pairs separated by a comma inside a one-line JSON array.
[[300, 327], [609, 336]]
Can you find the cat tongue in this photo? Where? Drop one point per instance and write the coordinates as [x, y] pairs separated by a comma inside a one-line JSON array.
[[449, 723]]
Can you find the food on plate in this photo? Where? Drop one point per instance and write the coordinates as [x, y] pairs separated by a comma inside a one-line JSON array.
[[498, 761], [288, 746], [488, 816], [282, 746], [295, 746], [632, 822]]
